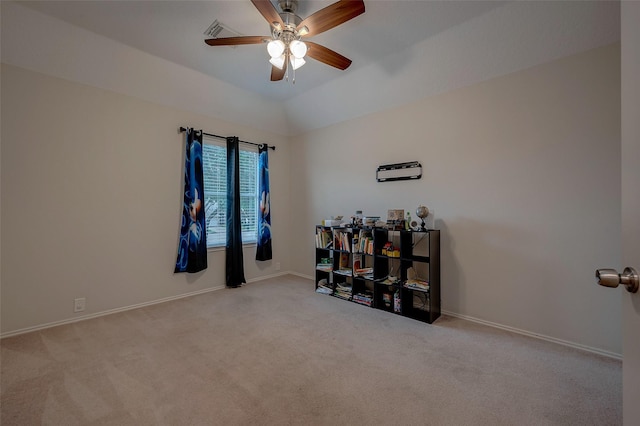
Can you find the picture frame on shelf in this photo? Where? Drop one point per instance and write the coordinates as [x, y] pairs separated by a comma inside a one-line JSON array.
[[395, 219]]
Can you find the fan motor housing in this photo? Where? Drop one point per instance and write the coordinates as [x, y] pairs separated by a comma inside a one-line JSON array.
[[288, 14], [291, 20], [288, 5]]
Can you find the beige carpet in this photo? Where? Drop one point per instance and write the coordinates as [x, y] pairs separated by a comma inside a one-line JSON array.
[[277, 353]]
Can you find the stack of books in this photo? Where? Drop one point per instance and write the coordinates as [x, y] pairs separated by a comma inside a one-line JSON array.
[[326, 267], [324, 287], [343, 290], [363, 272], [345, 272], [365, 298], [416, 284]]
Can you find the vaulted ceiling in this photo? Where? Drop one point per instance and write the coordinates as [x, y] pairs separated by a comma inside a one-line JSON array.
[[402, 50]]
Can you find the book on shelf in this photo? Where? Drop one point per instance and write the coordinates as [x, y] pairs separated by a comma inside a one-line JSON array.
[[357, 261], [326, 267], [324, 287], [345, 272], [341, 240], [416, 284], [324, 290], [389, 280], [363, 243], [324, 238], [364, 298], [344, 261], [362, 272], [346, 246], [343, 291], [367, 245]]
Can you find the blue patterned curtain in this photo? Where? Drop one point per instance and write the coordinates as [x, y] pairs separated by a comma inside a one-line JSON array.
[[234, 260], [192, 247], [263, 251]]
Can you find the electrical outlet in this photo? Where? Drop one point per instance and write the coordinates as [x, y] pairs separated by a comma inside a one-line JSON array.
[[277, 266], [79, 304]]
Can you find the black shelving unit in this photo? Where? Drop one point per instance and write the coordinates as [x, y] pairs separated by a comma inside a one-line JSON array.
[[421, 250], [376, 266], [324, 260]]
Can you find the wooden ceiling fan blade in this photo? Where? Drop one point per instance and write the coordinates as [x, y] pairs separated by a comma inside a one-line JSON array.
[[277, 74], [269, 12], [327, 56], [234, 41], [332, 16]]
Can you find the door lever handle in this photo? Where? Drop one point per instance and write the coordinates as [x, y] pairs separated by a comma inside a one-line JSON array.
[[611, 278]]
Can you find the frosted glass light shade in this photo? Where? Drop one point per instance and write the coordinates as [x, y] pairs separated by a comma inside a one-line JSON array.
[[275, 48], [296, 62], [298, 49], [277, 62]]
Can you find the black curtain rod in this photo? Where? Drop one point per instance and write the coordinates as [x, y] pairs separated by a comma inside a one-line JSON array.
[[183, 129]]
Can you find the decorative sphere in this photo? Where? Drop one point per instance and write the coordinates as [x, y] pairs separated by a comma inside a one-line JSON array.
[[422, 212]]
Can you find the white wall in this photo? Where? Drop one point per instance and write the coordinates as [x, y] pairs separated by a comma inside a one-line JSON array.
[[522, 172], [41, 43], [91, 190], [91, 170]]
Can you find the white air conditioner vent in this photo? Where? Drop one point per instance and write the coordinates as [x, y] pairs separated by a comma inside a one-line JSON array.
[[220, 30]]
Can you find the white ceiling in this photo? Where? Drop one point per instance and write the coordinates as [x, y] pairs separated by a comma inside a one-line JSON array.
[[401, 49], [173, 30]]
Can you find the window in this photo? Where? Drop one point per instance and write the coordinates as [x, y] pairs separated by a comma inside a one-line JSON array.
[[215, 192]]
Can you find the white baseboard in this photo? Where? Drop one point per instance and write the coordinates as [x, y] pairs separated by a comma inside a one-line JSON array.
[[127, 308], [309, 277], [107, 312], [536, 335], [266, 277]]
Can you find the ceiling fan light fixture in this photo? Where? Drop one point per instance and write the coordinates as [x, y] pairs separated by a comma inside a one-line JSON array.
[[275, 48], [278, 62], [298, 48], [285, 48], [296, 62]]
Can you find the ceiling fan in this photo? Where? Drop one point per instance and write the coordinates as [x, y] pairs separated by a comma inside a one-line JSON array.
[[287, 29]]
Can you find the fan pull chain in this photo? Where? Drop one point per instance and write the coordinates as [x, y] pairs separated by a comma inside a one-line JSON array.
[[286, 65]]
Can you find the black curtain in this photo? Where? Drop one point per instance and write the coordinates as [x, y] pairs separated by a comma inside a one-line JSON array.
[[264, 251], [192, 247], [234, 263]]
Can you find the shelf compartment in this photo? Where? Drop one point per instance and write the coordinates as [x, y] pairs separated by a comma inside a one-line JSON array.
[[384, 296], [416, 305], [324, 286], [343, 290]]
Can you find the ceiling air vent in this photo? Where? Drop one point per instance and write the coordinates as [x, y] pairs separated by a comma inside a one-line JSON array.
[[220, 30]]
